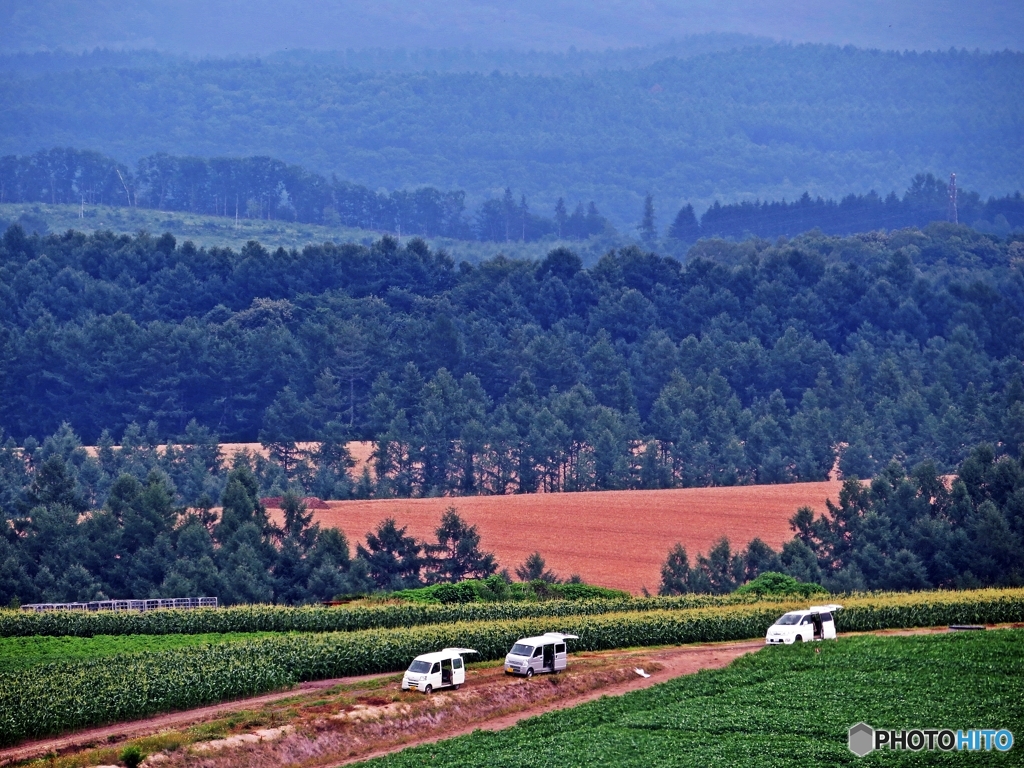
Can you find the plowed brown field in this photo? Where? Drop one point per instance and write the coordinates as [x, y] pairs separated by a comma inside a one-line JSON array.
[[612, 538]]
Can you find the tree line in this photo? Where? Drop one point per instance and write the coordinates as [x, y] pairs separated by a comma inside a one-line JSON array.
[[264, 188], [753, 362], [900, 531]]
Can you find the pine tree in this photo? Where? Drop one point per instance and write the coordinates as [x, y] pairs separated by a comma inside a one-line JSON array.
[[648, 230], [685, 227]]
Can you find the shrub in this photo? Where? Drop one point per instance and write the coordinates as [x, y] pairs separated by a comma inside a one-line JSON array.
[[774, 583], [131, 756]]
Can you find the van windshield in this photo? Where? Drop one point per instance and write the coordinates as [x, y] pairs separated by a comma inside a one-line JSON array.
[[789, 618], [420, 667], [519, 649]]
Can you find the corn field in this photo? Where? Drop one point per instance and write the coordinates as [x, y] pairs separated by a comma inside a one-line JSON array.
[[272, 618]]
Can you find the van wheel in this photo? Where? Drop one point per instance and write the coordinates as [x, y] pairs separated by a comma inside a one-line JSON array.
[[803, 639], [458, 686], [428, 690], [529, 673]]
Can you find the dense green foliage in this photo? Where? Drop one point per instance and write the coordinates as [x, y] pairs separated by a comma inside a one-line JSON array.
[[909, 531], [783, 707], [55, 697], [769, 122], [751, 363], [19, 653], [775, 583], [496, 589], [139, 544]]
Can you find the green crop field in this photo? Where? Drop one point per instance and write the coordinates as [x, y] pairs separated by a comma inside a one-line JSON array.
[[88, 690], [20, 653], [783, 706]]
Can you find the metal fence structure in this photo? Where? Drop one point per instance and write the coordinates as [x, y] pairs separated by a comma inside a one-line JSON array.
[[125, 605]]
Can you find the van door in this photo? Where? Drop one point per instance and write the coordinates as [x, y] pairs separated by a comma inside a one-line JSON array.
[[816, 621], [458, 671], [560, 657], [446, 672], [549, 657], [435, 675], [828, 624], [537, 661]]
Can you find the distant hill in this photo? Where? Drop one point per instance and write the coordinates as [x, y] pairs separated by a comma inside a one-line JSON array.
[[767, 123], [260, 26]]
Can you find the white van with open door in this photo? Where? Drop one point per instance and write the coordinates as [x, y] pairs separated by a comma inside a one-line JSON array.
[[533, 655], [814, 623], [442, 669]]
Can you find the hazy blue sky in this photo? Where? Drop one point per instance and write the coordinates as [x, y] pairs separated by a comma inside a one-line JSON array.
[[260, 26]]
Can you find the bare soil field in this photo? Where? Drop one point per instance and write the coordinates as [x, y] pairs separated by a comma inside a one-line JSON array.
[[612, 538]]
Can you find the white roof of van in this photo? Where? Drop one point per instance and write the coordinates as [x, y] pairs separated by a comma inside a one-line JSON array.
[[547, 637], [444, 653], [830, 608]]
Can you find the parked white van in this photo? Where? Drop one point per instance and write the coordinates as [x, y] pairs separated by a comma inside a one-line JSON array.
[[814, 623], [533, 655], [442, 669]]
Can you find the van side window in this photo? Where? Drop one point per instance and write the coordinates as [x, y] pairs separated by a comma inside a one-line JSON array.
[[457, 662], [826, 616], [436, 668], [560, 648], [538, 651], [807, 620]]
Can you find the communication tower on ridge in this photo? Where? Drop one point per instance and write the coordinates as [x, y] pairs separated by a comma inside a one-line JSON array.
[[952, 199]]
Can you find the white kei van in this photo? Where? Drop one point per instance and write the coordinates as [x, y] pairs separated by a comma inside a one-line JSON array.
[[442, 669], [814, 623], [533, 655]]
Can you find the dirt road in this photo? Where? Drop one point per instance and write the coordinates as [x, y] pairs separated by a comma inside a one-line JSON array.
[[663, 664]]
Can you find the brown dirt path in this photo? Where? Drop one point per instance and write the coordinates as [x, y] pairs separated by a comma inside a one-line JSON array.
[[674, 662]]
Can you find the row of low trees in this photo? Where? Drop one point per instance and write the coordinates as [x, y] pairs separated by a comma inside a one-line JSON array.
[[56, 547], [752, 363], [901, 531], [264, 188]]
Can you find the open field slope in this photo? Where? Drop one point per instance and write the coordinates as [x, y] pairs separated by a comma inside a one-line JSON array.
[[612, 538], [224, 232], [785, 706]]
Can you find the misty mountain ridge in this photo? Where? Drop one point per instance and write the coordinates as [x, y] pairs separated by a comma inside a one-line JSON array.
[[264, 26]]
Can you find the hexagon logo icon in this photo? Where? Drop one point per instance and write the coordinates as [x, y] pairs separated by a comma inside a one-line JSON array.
[[861, 739]]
